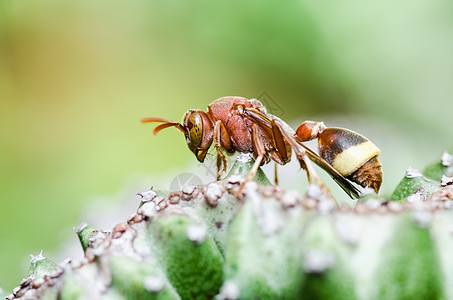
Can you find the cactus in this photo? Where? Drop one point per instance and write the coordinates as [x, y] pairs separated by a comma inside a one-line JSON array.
[[442, 167], [205, 243]]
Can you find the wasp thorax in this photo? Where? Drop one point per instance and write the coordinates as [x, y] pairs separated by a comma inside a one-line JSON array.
[[353, 155]]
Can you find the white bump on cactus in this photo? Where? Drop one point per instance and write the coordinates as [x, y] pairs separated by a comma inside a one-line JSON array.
[[213, 192], [153, 284], [269, 220], [373, 203], [148, 209], [244, 158], [349, 232], [422, 217], [35, 258], [196, 234], [236, 179], [290, 199], [229, 291], [316, 262], [326, 206], [148, 195], [412, 173], [447, 159], [314, 191], [418, 196], [446, 180], [188, 189]]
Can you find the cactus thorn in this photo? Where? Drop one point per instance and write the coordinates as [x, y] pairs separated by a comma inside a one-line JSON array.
[[36, 258], [148, 195]]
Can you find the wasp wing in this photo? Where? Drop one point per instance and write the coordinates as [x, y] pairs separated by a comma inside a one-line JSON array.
[[345, 184]]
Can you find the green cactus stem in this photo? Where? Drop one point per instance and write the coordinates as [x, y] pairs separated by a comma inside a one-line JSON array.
[[414, 184], [204, 243], [40, 266], [86, 234], [442, 167], [242, 167]]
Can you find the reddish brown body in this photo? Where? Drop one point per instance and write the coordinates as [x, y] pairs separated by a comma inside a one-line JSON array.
[[231, 112], [237, 124]]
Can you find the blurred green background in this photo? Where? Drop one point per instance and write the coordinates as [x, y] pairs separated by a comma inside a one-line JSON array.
[[76, 78]]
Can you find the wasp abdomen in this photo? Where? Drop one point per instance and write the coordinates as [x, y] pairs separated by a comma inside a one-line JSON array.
[[369, 174], [353, 155]]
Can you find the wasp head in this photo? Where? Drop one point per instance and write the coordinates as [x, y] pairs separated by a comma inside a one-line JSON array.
[[199, 132], [197, 128]]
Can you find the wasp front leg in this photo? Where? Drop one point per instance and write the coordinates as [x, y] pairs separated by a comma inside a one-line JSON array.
[[221, 139]]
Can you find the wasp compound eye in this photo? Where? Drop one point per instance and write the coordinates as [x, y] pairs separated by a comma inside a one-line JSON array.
[[196, 130]]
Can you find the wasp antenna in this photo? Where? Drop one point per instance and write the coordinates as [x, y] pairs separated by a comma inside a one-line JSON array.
[[154, 120], [166, 125], [162, 126]]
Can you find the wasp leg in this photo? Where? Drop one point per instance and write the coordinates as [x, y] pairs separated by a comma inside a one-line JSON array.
[[275, 174], [259, 151], [301, 157], [271, 124], [220, 158], [281, 152], [221, 139]]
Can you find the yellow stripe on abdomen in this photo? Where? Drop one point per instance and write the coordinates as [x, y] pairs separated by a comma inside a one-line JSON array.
[[348, 161]]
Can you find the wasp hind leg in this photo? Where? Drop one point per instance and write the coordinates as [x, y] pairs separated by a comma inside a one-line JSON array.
[[301, 157]]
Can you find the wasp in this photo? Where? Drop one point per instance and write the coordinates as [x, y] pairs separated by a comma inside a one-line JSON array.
[[238, 124]]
